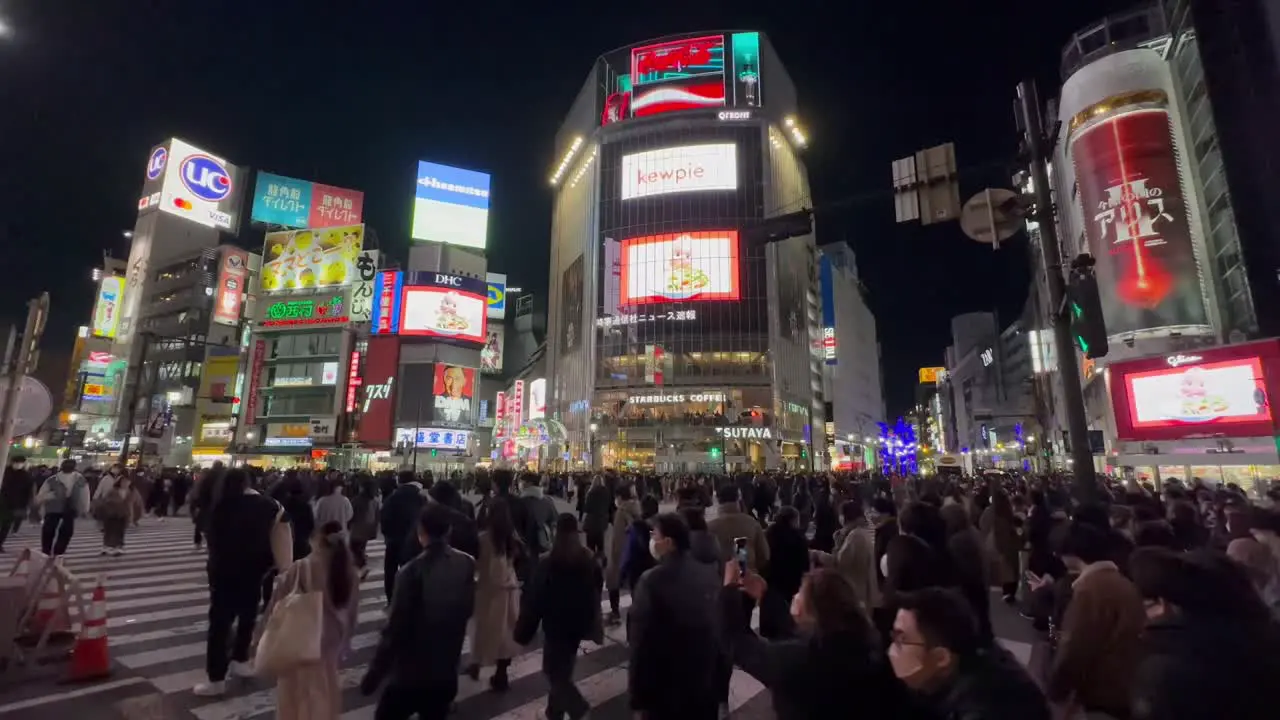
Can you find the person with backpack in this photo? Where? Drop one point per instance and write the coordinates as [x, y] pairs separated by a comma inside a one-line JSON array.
[[536, 516], [63, 497]]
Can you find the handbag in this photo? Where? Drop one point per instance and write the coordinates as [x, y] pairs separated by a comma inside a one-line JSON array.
[[293, 630]]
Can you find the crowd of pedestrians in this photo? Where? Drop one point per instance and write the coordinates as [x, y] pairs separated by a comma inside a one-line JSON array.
[[836, 591]]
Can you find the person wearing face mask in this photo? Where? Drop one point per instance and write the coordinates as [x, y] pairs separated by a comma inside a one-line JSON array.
[[1209, 647], [827, 648], [673, 632], [937, 651]]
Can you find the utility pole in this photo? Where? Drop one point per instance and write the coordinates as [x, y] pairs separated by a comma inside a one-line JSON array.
[[1038, 144], [24, 361], [132, 411]]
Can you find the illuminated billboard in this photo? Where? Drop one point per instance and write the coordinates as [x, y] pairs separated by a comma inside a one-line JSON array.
[[193, 184], [1136, 217], [444, 306], [228, 296], [680, 266], [1213, 392], [685, 74], [451, 206], [311, 259], [106, 310], [932, 375], [491, 353], [305, 312], [280, 200], [538, 399], [689, 168], [497, 295], [377, 386], [453, 394], [386, 302], [745, 80]]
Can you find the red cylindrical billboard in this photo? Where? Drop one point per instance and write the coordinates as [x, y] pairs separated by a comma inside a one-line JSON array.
[[378, 379], [1136, 218]]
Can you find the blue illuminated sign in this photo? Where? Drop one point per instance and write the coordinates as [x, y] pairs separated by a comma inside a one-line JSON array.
[[451, 205], [280, 200]]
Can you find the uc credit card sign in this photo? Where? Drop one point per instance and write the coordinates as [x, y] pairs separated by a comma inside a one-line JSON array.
[[451, 205]]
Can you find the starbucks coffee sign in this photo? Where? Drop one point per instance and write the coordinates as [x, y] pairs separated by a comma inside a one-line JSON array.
[[745, 433]]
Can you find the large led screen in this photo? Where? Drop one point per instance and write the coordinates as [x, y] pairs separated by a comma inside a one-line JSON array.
[[196, 185], [679, 267], [453, 390], [1207, 395], [491, 353], [311, 259], [684, 74], [1136, 222], [689, 168], [444, 312], [451, 206]]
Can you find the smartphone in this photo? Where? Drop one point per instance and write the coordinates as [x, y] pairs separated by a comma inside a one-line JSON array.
[[740, 553]]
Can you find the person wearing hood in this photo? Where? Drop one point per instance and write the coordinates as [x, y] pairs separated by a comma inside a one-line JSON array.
[[937, 651], [628, 512], [63, 497], [827, 651], [855, 553], [1209, 647], [399, 519]]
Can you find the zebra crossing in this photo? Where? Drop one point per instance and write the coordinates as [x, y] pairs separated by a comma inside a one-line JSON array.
[[157, 602]]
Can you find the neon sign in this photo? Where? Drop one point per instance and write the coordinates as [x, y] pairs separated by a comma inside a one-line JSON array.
[[305, 312]]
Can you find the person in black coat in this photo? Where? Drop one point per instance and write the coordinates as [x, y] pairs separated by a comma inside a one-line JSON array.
[[464, 535], [563, 596], [829, 658], [400, 513], [1210, 647], [788, 561], [421, 645], [16, 492]]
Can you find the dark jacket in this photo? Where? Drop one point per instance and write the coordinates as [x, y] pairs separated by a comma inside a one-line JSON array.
[[563, 597], [788, 559], [674, 634], [597, 508], [704, 548], [1206, 668], [302, 523], [991, 686], [239, 538], [400, 514], [17, 489], [806, 674], [421, 644], [463, 536]]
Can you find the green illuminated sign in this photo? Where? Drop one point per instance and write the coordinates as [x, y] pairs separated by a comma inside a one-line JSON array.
[[288, 312]]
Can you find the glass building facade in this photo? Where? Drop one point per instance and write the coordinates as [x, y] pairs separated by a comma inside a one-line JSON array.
[[675, 340]]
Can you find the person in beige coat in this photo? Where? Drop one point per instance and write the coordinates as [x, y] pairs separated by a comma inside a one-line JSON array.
[[855, 554], [999, 529], [628, 512], [497, 598]]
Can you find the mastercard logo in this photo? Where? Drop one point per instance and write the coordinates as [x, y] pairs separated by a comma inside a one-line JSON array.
[[182, 204]]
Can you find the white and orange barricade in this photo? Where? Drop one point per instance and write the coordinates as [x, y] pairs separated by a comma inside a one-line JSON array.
[[91, 658]]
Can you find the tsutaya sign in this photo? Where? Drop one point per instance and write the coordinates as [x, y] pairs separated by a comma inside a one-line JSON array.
[[746, 433], [708, 397]]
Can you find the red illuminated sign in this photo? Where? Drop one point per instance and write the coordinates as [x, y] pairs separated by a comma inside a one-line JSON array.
[[679, 267], [353, 380], [378, 379], [500, 415], [384, 323], [1220, 391], [255, 374], [231, 286]]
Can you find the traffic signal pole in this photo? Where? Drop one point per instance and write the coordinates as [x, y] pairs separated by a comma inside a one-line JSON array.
[[1038, 146]]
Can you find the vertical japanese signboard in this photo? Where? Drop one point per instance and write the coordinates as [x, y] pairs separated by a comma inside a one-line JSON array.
[[361, 306], [256, 361], [229, 296], [1136, 216]]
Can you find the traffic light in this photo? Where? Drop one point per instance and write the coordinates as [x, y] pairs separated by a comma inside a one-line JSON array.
[[434, 452], [1088, 329], [715, 452]]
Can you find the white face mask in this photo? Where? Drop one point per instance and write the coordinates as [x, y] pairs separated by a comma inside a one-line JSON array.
[[904, 666], [653, 549]]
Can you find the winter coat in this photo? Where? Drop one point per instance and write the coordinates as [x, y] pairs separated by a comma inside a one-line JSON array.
[[333, 508], [364, 518], [563, 597], [993, 685], [733, 523], [597, 502], [628, 512], [497, 606], [704, 548], [674, 637], [421, 643], [1206, 668], [804, 674], [788, 559], [1000, 535], [855, 559], [400, 514]]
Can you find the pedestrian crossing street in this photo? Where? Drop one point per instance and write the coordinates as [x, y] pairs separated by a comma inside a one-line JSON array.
[[157, 601]]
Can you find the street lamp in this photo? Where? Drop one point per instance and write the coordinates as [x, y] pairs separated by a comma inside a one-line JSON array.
[[6, 31]]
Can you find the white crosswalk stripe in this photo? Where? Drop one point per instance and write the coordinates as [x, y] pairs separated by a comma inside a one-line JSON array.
[[157, 604]]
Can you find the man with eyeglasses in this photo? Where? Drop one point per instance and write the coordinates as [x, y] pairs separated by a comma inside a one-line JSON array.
[[937, 651]]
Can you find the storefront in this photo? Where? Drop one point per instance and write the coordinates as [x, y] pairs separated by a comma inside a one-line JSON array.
[[1205, 414]]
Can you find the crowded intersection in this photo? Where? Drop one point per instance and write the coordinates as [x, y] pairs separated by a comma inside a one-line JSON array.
[[988, 573]]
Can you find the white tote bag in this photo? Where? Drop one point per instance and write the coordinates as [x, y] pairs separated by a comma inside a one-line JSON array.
[[293, 631]]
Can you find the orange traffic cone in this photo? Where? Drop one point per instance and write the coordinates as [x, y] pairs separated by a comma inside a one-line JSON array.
[[51, 612], [90, 658]]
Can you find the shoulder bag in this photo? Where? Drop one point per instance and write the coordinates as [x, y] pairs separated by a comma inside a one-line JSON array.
[[292, 635]]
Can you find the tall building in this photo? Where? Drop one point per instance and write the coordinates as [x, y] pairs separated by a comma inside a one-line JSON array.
[[851, 378], [1161, 173], [682, 341]]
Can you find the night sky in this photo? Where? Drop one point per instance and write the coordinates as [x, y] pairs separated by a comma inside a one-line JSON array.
[[354, 98]]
